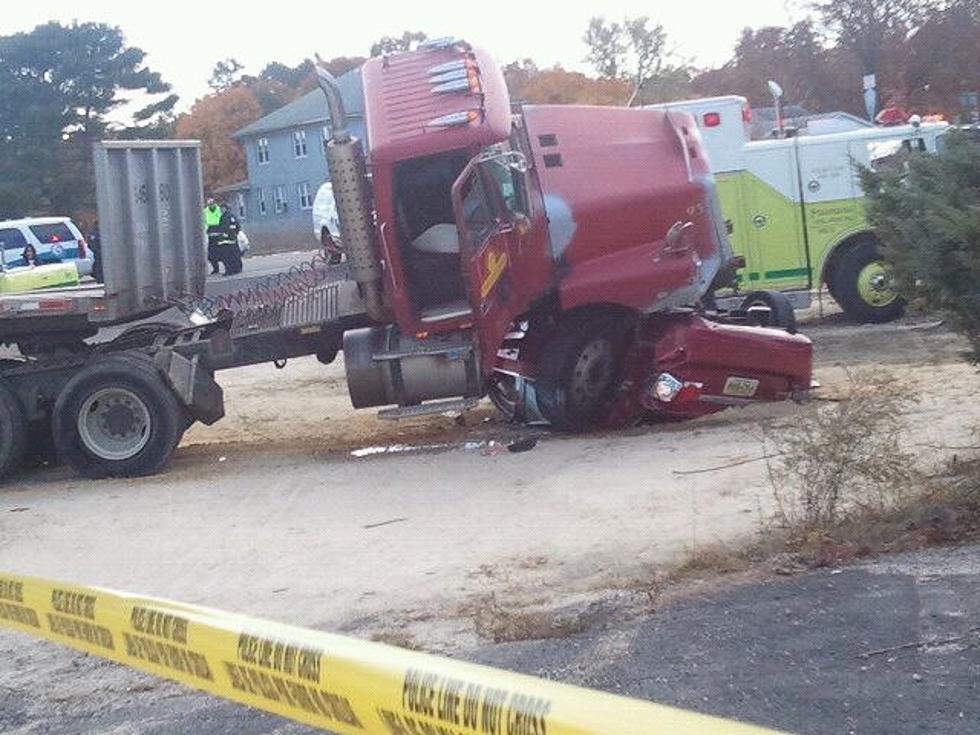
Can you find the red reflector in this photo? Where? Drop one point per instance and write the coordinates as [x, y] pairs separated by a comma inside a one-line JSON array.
[[712, 119], [690, 392], [747, 114], [82, 245], [55, 305]]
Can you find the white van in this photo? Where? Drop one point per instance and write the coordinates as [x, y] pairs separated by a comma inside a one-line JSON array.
[[55, 239]]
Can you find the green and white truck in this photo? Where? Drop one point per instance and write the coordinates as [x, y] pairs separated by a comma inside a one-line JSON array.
[[795, 208]]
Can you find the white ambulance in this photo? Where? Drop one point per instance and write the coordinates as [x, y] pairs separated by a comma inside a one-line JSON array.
[[795, 208]]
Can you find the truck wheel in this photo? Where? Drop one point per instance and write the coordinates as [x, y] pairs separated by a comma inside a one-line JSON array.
[[781, 313], [580, 369], [863, 286], [13, 432], [117, 418]]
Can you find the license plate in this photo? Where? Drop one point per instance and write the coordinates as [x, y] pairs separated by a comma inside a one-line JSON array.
[[741, 387]]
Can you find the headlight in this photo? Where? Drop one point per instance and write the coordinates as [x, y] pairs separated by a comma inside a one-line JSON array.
[[666, 387]]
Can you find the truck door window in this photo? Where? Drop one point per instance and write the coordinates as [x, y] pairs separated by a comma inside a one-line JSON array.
[[888, 155], [512, 186], [477, 211]]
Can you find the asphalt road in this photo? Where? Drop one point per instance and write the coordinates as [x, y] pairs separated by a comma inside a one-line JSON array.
[[884, 648], [256, 268]]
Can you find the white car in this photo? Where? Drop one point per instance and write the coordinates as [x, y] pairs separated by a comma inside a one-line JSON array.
[[55, 240], [326, 222]]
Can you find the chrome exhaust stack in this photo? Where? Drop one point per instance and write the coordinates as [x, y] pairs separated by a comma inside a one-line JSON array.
[[348, 173]]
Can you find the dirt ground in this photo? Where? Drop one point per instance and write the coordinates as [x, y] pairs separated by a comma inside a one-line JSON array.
[[289, 508]]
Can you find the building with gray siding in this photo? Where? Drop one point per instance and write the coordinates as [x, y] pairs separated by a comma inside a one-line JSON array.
[[286, 166]]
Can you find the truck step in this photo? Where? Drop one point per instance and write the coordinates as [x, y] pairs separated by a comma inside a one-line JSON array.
[[424, 409], [453, 350]]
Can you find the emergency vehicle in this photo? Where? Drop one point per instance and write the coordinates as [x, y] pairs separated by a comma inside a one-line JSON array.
[[794, 205]]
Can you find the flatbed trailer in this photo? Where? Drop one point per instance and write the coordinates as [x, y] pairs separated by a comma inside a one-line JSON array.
[[148, 342]]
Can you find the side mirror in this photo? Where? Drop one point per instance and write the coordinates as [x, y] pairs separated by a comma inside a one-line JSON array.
[[675, 241], [521, 222]]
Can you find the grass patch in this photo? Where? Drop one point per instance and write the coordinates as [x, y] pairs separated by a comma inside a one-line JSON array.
[[845, 487], [503, 624]]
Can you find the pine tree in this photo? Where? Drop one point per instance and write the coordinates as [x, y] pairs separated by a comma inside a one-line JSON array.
[[927, 214]]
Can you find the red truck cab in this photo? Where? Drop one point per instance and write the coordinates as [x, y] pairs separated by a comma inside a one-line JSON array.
[[527, 247]]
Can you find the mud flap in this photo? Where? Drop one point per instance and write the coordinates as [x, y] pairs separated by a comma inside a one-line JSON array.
[[193, 384]]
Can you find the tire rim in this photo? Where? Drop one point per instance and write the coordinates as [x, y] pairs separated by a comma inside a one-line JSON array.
[[592, 372], [875, 285], [114, 424], [502, 392], [760, 302]]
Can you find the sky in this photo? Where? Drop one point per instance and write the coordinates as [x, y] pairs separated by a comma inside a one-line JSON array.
[[184, 39]]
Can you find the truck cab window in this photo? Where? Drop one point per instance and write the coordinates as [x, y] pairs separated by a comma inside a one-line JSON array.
[[512, 186], [888, 155], [477, 211]]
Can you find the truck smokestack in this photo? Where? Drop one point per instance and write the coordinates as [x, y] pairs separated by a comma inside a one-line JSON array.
[[348, 173]]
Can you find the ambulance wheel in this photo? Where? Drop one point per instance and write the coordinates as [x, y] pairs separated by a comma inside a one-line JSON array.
[[580, 370], [781, 314], [117, 418], [863, 285], [13, 432]]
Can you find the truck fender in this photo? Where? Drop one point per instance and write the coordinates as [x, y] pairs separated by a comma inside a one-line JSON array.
[[193, 385], [837, 250]]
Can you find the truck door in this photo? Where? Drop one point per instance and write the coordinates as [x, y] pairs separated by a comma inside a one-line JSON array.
[[771, 220], [497, 244], [831, 194]]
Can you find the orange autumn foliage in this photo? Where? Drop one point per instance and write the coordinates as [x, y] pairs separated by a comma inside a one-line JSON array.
[[213, 120]]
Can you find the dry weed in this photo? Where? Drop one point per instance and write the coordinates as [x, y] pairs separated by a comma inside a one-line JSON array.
[[843, 459]]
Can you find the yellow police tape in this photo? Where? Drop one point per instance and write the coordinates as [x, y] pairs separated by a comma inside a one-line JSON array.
[[342, 685]]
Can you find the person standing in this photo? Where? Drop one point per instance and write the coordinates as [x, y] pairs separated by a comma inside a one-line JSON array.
[[228, 250], [212, 223]]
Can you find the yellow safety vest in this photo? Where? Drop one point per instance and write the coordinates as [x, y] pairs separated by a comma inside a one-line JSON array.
[[212, 218]]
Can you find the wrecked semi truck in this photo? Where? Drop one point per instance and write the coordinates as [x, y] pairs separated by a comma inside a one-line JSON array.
[[555, 259]]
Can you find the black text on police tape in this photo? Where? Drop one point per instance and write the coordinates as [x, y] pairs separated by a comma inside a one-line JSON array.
[[476, 708]]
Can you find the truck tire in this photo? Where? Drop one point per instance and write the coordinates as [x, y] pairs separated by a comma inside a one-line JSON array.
[[580, 370], [13, 433], [781, 312], [117, 418], [862, 286]]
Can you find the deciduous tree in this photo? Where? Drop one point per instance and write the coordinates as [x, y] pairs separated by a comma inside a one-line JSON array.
[[213, 120]]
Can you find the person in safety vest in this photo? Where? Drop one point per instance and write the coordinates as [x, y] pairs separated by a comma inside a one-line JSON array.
[[227, 249], [212, 223]]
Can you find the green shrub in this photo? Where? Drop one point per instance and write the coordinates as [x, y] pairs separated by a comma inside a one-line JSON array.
[[927, 215]]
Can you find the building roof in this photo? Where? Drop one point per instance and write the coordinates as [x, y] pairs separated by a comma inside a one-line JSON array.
[[229, 188], [310, 108]]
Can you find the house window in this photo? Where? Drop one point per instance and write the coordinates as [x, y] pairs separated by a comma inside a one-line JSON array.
[[241, 205], [263, 209], [263, 150], [304, 195], [299, 143], [279, 197]]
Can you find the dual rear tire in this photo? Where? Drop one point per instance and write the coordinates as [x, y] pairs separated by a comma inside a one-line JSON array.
[[117, 418], [114, 418]]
